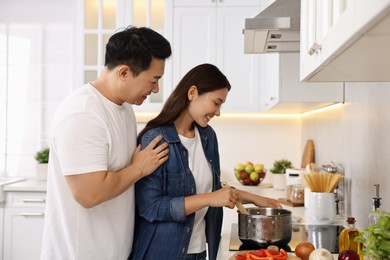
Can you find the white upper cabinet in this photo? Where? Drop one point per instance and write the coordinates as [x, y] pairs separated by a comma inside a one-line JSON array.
[[218, 2], [212, 32], [282, 92], [345, 40]]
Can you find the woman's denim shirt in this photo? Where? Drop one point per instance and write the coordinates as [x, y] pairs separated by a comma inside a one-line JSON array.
[[162, 229]]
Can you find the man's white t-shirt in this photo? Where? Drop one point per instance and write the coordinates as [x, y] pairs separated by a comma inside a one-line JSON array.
[[90, 133]]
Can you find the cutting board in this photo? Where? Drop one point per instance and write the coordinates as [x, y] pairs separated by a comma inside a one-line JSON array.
[[290, 203], [308, 154]]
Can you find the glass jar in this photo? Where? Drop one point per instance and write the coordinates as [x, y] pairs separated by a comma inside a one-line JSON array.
[[297, 194]]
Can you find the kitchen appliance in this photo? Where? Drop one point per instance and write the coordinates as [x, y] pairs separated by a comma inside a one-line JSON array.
[[265, 226], [295, 176], [321, 236], [275, 29]]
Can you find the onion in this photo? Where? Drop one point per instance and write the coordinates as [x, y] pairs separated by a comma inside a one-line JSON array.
[[321, 254], [303, 250]]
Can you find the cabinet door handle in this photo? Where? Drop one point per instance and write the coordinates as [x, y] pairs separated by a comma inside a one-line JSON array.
[[32, 214], [314, 48], [33, 200]]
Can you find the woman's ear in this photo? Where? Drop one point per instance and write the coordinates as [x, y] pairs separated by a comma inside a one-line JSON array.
[[192, 92]]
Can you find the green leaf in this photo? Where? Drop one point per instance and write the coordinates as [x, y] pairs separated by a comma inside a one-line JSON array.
[[376, 238], [42, 156]]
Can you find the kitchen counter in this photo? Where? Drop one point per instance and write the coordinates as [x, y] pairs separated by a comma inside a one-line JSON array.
[[27, 185], [231, 216], [4, 181]]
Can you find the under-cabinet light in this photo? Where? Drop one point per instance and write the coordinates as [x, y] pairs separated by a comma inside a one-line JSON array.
[[146, 116], [323, 109]]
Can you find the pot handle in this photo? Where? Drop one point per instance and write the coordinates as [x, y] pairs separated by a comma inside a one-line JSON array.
[[239, 205]]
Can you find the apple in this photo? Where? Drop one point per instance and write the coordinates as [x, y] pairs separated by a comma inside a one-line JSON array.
[[259, 167], [249, 173], [254, 176], [254, 183], [239, 167], [244, 175], [249, 168], [247, 181]]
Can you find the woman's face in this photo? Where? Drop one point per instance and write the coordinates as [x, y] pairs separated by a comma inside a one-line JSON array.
[[204, 107]]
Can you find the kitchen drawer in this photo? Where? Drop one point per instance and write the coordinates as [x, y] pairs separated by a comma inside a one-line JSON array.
[[25, 199]]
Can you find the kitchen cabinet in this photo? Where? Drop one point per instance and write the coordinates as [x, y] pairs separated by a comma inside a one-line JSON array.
[[282, 92], [218, 2], [212, 32], [1, 229], [344, 40], [23, 224], [99, 20]]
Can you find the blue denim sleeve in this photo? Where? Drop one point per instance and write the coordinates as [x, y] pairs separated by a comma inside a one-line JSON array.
[[153, 205]]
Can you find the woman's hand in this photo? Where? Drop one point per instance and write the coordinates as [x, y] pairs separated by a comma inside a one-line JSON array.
[[266, 202], [259, 201], [220, 198], [224, 197]]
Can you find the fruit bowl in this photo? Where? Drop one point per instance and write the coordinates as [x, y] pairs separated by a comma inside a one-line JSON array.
[[249, 174]]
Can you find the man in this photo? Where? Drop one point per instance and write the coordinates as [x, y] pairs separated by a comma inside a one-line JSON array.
[[94, 159]]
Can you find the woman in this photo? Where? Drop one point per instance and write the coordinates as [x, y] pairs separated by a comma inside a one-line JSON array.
[[180, 204]]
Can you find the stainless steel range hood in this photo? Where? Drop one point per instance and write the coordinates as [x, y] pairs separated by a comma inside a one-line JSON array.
[[275, 29]]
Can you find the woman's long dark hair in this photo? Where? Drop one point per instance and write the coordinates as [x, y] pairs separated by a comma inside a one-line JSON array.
[[206, 77]]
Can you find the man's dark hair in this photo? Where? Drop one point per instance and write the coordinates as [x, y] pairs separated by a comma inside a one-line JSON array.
[[135, 47]]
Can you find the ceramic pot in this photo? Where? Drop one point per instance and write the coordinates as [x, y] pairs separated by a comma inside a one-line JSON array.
[[41, 171], [279, 181]]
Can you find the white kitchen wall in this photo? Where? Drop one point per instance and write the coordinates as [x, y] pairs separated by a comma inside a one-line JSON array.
[[260, 140], [358, 136]]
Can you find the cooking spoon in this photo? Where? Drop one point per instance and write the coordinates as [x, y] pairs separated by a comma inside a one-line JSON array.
[[239, 205]]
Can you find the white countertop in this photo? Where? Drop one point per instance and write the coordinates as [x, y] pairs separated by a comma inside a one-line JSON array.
[[231, 215], [27, 185], [4, 181]]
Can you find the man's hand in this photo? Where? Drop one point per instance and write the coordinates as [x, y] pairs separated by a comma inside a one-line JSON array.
[[150, 158]]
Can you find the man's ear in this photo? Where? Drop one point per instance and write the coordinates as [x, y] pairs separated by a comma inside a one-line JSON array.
[[123, 71], [192, 92]]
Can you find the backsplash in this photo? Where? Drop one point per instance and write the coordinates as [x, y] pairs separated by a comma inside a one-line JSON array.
[[358, 136]]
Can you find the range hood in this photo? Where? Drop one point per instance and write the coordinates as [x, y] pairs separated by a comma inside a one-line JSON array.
[[275, 29]]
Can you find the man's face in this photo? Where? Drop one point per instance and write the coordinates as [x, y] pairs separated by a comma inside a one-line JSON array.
[[135, 90]]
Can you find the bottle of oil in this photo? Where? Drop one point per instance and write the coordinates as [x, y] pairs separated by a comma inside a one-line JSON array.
[[347, 238]]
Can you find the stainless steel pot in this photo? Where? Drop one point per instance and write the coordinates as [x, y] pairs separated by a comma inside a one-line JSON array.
[[265, 226]]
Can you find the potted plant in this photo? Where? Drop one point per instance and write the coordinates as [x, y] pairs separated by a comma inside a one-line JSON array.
[[278, 173], [376, 238], [42, 157]]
